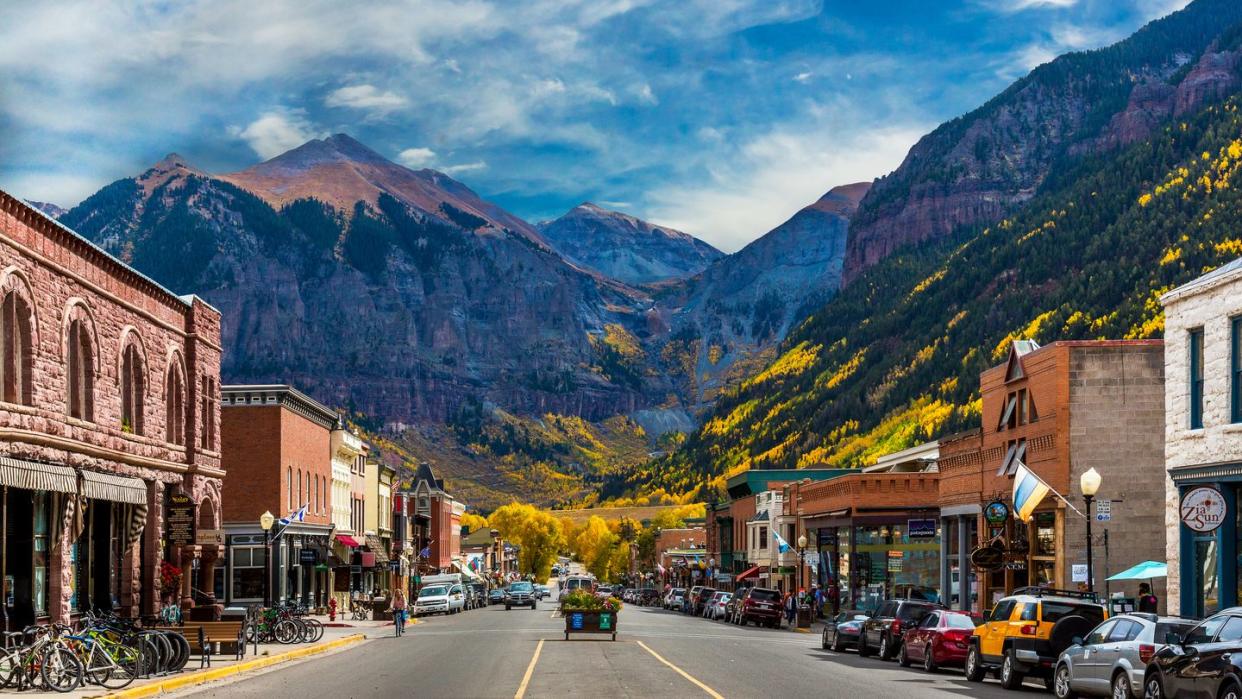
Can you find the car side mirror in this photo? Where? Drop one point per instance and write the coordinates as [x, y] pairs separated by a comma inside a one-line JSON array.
[[1076, 641]]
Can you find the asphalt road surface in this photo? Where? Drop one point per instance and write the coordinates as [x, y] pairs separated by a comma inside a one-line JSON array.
[[491, 652]]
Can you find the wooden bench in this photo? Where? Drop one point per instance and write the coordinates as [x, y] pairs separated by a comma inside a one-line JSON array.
[[203, 635]]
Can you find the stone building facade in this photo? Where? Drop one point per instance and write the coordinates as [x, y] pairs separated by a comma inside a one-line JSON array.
[[109, 409], [1203, 436]]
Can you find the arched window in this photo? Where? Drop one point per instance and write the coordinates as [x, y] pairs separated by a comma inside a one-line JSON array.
[[298, 504], [133, 390], [290, 488], [317, 510], [16, 350], [81, 372], [208, 403], [174, 404]]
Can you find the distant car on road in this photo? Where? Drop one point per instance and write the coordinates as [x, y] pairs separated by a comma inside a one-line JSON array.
[[439, 599], [699, 600], [496, 596], [843, 630], [717, 604], [1113, 658], [941, 638], [520, 594], [887, 627], [675, 598], [761, 605]]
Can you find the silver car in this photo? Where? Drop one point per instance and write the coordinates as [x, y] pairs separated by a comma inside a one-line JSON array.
[[1111, 660]]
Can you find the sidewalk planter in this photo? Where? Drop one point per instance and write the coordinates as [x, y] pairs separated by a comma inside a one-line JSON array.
[[590, 621]]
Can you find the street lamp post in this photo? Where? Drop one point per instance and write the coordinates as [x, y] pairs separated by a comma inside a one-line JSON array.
[[801, 559], [266, 520], [1090, 484]]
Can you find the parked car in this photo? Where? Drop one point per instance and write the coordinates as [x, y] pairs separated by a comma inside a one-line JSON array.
[[495, 596], [886, 628], [541, 591], [690, 596], [1205, 662], [578, 582], [439, 599], [941, 638], [1113, 658], [520, 594], [603, 591], [761, 605], [698, 601], [716, 606], [1027, 631], [731, 607], [674, 598], [843, 630], [478, 595]]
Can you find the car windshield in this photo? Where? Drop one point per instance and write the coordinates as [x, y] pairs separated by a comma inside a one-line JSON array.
[[520, 587], [959, 621], [1053, 611], [912, 612], [765, 595], [434, 591]]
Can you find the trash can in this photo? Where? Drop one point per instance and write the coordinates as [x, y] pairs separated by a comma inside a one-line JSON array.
[[804, 616]]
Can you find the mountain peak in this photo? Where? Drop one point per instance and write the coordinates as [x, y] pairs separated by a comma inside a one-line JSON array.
[[337, 148]]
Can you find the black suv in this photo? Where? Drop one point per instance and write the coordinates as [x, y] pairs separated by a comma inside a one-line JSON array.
[[1207, 662], [699, 600], [888, 625]]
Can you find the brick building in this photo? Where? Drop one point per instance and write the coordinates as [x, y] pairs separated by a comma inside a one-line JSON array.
[[1203, 440], [1060, 410], [443, 512], [109, 409], [276, 441], [349, 565]]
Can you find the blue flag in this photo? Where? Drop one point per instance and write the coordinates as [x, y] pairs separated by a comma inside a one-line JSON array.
[[782, 545]]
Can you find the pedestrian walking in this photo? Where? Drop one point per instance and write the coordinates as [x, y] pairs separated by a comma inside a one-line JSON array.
[[1147, 602], [791, 609], [398, 612], [819, 600]]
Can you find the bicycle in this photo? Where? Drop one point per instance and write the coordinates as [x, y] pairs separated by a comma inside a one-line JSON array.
[[95, 650], [360, 611], [45, 658]]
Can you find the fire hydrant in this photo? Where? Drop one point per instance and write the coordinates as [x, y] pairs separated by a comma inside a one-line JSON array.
[[332, 609]]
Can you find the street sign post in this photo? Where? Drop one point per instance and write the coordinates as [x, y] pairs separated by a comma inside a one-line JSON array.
[[1103, 510]]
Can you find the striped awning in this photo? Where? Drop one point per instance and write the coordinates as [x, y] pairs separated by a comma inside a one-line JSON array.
[[29, 475], [107, 486]]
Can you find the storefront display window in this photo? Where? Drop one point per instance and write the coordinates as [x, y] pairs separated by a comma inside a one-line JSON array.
[[891, 564], [248, 566], [41, 548], [1206, 566]]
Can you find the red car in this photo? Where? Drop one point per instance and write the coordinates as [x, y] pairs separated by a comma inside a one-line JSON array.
[[942, 638]]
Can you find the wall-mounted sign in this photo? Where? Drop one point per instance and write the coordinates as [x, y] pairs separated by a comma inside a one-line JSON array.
[[208, 537], [1103, 510], [179, 519], [996, 513], [1203, 509], [988, 558], [921, 528], [1078, 572], [308, 557]]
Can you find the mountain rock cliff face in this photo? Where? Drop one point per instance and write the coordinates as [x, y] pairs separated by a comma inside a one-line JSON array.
[[400, 294], [974, 169], [734, 312], [625, 248]]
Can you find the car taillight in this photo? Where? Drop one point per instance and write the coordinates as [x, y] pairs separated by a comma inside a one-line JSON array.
[[1146, 652], [896, 627], [1029, 629], [957, 634]]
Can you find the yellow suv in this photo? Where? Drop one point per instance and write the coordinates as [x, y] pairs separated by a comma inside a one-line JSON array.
[[1026, 632]]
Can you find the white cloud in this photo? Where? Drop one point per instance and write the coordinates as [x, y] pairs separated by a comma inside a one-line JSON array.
[[366, 97], [465, 167], [275, 132], [774, 176], [416, 157], [803, 77], [647, 96], [1019, 5]]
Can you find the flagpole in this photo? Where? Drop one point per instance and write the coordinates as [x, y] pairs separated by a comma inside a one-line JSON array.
[[1052, 490]]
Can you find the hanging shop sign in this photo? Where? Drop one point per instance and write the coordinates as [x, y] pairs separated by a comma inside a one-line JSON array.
[[1203, 509], [988, 558], [996, 513], [921, 528], [308, 556], [179, 519]]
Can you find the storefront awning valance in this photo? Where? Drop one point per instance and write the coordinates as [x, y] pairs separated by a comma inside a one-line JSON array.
[[378, 548], [348, 540], [108, 486], [29, 475], [750, 572]]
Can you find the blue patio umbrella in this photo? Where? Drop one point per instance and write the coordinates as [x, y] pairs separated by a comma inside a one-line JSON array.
[[1143, 571]]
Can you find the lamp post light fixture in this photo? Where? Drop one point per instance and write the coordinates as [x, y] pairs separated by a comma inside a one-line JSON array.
[[1089, 483], [266, 520], [801, 559]]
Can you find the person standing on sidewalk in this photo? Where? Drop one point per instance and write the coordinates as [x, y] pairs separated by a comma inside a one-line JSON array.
[[398, 612], [791, 609]]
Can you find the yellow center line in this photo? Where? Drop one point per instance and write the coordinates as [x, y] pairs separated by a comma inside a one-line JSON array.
[[710, 692], [530, 670]]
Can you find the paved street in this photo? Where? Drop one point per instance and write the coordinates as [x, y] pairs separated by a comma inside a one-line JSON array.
[[488, 653]]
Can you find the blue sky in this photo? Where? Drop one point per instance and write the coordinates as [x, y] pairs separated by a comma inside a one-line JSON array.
[[719, 117]]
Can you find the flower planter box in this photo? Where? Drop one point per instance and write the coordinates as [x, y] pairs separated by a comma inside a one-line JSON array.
[[583, 621]]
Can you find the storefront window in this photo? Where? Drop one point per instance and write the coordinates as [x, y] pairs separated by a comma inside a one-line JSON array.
[[248, 564], [1205, 564], [844, 569], [41, 542], [890, 564]]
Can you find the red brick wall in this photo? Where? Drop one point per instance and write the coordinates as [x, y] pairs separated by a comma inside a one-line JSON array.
[[307, 447], [261, 444], [869, 491]]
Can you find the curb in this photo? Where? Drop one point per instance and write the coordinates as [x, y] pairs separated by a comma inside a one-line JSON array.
[[210, 675]]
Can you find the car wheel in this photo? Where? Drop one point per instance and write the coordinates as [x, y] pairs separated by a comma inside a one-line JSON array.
[[507, 608], [1229, 692], [1061, 683], [886, 650], [823, 640], [1010, 678], [902, 659], [863, 650], [974, 665], [1153, 688], [929, 659], [837, 645], [1121, 687]]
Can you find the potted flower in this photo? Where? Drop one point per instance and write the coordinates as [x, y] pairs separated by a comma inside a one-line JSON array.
[[169, 582], [586, 613]]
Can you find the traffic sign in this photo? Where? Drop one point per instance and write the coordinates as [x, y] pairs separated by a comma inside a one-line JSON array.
[[1103, 510]]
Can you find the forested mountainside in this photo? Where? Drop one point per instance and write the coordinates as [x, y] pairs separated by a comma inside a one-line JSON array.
[[895, 358], [978, 167]]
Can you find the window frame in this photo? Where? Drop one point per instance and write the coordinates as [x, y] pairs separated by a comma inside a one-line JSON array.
[[1196, 381], [1235, 369]]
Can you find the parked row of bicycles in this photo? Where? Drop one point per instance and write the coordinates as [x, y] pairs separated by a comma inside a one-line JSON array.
[[287, 623], [105, 651]]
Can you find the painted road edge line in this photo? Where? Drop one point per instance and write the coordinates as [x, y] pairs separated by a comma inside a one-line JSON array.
[[196, 678], [530, 670], [710, 692]]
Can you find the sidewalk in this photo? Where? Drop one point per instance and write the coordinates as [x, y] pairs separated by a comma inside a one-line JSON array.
[[337, 635]]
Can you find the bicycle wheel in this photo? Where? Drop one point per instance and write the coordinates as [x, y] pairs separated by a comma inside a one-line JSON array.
[[164, 650], [286, 631], [96, 669], [182, 648], [316, 627], [61, 670], [10, 667], [148, 657], [129, 657]]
